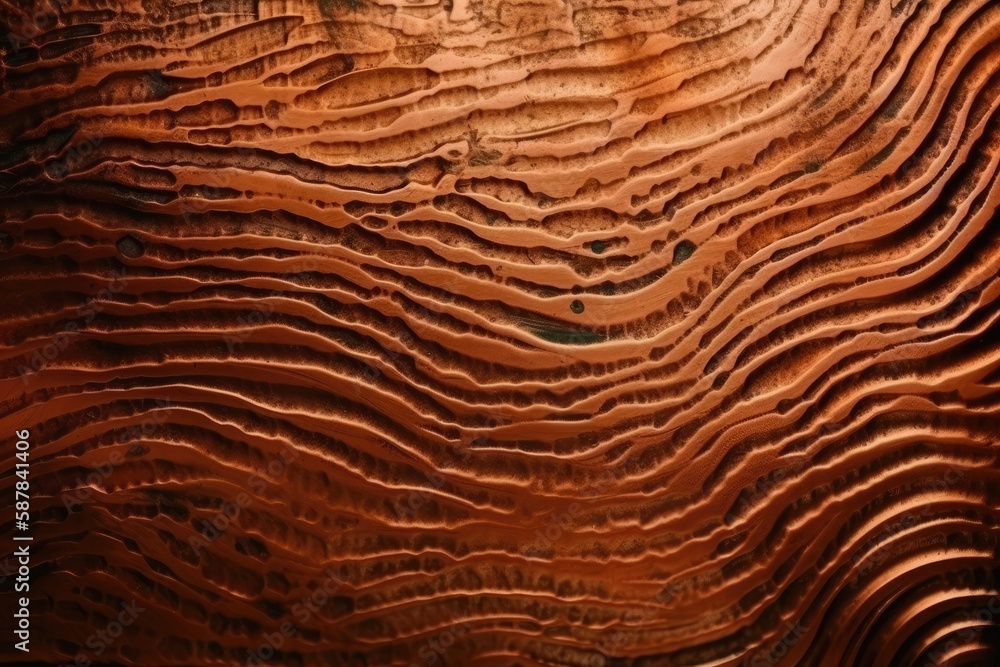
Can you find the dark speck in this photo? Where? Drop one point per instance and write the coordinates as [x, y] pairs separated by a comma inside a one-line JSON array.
[[576, 306], [137, 450], [158, 85], [597, 247], [130, 247], [683, 250]]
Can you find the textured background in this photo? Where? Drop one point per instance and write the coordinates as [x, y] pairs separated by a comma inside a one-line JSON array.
[[493, 333]]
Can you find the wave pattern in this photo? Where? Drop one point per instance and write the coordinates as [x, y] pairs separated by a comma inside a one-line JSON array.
[[356, 332]]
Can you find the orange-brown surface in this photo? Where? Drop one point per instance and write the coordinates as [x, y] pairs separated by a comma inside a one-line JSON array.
[[494, 332]]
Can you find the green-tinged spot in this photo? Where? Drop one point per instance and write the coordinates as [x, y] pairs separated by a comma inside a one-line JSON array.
[[683, 251]]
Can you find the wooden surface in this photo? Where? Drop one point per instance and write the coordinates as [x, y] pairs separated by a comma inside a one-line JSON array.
[[489, 333]]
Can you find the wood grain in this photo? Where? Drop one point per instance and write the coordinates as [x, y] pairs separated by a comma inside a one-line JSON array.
[[472, 333]]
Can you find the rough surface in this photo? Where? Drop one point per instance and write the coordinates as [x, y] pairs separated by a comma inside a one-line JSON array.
[[494, 332]]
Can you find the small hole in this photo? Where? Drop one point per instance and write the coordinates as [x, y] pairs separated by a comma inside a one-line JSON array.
[[597, 247], [683, 250], [130, 247], [576, 306]]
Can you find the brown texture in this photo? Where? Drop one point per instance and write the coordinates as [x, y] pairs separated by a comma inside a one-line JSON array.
[[530, 333]]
